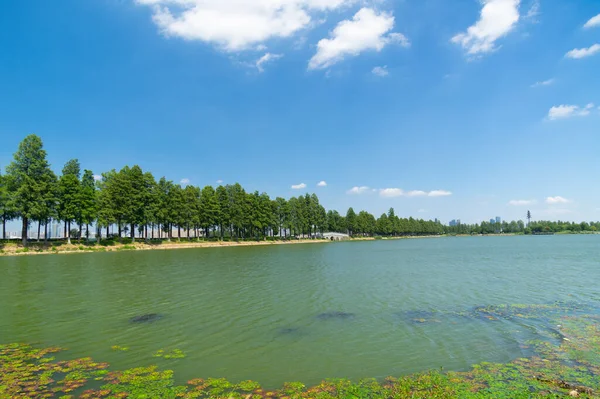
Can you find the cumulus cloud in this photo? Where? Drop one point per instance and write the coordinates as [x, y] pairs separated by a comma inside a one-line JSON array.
[[416, 193], [267, 58], [184, 181], [579, 53], [543, 83], [322, 183], [439, 193], [568, 111], [97, 177], [235, 25], [593, 22], [521, 202], [368, 30], [497, 19], [382, 72], [398, 192], [391, 192], [557, 200], [298, 186], [358, 190]]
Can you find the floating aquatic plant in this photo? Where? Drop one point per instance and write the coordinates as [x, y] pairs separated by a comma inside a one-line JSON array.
[[566, 362], [174, 354]]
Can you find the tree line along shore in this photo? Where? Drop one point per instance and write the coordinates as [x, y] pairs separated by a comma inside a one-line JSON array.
[[130, 202]]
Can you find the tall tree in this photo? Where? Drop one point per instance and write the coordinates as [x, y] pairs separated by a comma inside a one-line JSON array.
[[208, 209], [223, 210], [6, 212], [351, 221], [30, 181], [48, 207], [105, 202], [88, 211], [69, 195]]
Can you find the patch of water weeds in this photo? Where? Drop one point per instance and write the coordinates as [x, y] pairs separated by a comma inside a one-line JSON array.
[[558, 368]]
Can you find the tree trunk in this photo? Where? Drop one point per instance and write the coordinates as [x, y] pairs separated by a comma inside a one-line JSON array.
[[4, 227], [69, 232], [107, 231], [132, 234], [24, 231], [39, 230], [152, 231], [65, 231], [178, 233], [87, 232], [46, 230]]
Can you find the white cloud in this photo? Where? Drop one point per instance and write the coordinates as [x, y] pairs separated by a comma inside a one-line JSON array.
[[579, 53], [268, 57], [568, 111], [391, 192], [368, 30], [298, 186], [439, 193], [382, 72], [544, 83], [422, 211], [593, 22], [322, 183], [184, 181], [416, 193], [235, 25], [97, 177], [557, 200], [521, 202], [497, 19], [534, 11], [219, 181], [358, 190], [398, 192]]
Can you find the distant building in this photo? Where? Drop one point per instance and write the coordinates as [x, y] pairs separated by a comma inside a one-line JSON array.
[[498, 220], [492, 221], [454, 223], [55, 230]]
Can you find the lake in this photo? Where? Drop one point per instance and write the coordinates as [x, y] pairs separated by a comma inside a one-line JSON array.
[[299, 312]]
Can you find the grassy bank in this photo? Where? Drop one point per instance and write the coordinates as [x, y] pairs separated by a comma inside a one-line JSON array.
[[566, 363], [56, 247]]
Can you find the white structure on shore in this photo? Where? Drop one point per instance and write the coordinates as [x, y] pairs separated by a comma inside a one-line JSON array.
[[336, 236]]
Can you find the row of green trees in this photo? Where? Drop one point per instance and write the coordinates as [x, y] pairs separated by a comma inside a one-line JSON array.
[[133, 201]]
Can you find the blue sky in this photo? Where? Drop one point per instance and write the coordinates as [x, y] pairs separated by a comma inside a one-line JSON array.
[[465, 109]]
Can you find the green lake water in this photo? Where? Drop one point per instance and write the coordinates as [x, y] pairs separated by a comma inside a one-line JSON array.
[[298, 312]]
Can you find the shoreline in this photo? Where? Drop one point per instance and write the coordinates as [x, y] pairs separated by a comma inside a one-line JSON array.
[[41, 248], [36, 248]]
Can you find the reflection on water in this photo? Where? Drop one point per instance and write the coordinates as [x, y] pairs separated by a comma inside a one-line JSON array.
[[280, 313]]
